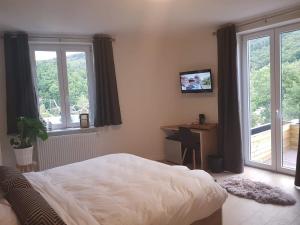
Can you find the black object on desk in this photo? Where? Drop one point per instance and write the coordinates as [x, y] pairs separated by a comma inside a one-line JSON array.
[[201, 119]]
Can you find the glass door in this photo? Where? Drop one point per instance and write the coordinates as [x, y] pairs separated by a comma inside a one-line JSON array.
[[271, 98], [288, 95], [260, 80]]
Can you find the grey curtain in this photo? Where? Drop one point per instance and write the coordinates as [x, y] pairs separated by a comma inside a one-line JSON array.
[[229, 131], [20, 91], [297, 179], [107, 108]]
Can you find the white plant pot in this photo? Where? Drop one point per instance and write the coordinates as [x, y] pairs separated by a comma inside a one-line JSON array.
[[24, 156]]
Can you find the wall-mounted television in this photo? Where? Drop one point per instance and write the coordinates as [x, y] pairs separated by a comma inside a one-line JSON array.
[[196, 81]]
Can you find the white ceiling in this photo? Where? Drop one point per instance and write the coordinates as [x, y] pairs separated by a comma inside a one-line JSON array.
[[113, 16]]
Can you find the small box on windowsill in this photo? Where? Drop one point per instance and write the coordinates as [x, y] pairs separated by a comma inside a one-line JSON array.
[[84, 120]]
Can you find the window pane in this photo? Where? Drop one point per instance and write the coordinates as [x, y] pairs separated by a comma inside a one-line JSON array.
[[78, 84], [260, 99], [290, 97], [48, 86]]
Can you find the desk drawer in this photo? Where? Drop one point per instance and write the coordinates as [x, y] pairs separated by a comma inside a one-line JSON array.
[[173, 151]]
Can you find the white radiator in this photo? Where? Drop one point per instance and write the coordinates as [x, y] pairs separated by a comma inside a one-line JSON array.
[[66, 149]]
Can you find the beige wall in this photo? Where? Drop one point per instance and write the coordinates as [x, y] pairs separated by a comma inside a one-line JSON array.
[[147, 67]]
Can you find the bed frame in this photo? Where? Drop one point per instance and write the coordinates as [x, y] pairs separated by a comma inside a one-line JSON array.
[[214, 219]]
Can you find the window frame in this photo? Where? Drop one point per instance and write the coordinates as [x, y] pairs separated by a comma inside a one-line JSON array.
[[276, 108], [61, 49]]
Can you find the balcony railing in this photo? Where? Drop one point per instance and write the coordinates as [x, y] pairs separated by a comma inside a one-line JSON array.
[[261, 148]]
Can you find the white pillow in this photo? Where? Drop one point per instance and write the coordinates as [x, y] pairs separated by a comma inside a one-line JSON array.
[[7, 215]]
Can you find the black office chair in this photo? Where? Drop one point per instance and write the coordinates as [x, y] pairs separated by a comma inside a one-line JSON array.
[[189, 142]]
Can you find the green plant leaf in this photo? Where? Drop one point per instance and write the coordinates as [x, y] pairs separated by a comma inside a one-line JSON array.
[[29, 129]]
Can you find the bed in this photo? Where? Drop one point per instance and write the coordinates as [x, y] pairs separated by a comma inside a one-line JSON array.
[[123, 189]]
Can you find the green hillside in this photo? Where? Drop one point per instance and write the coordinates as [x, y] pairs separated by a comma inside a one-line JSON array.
[[260, 101], [48, 86]]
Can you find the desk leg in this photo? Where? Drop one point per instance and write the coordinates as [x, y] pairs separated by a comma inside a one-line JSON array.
[[208, 144]]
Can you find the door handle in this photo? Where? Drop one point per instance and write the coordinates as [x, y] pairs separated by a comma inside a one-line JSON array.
[[278, 113]]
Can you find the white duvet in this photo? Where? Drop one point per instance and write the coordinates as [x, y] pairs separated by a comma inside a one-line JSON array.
[[122, 189]]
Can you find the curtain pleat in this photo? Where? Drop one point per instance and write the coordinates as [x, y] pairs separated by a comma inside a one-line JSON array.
[[20, 91], [107, 108], [229, 131]]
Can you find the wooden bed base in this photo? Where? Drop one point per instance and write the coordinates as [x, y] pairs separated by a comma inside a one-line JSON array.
[[214, 219]]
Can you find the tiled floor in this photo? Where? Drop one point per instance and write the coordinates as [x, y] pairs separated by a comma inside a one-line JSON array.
[[239, 211]]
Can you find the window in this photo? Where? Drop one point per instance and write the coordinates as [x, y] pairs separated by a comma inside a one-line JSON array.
[[62, 78]]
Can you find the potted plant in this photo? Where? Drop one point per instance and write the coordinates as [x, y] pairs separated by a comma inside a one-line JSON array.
[[28, 130]]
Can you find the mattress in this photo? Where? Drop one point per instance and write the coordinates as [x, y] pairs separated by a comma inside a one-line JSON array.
[[123, 189]]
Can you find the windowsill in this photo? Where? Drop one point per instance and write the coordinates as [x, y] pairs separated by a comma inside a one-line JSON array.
[[68, 131]]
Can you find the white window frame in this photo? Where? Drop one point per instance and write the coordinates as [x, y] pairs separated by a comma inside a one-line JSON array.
[[279, 132], [246, 100], [276, 121], [61, 49]]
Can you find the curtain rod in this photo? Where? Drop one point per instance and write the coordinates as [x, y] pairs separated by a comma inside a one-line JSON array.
[[264, 18], [90, 38], [267, 17]]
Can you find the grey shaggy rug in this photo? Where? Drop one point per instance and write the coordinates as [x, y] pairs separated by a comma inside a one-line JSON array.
[[258, 191]]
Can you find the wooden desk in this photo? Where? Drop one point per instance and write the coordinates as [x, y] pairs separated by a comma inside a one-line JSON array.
[[208, 138]]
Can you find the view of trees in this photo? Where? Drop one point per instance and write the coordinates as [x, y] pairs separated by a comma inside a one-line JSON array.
[[77, 82], [206, 81], [260, 100], [48, 85]]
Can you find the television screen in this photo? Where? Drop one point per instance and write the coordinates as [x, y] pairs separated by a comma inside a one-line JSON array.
[[196, 81]]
